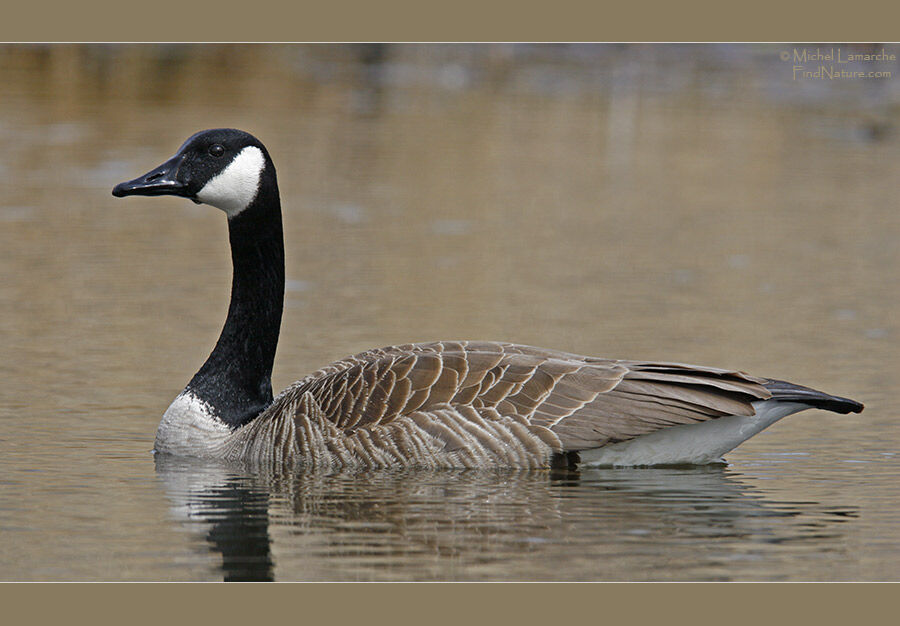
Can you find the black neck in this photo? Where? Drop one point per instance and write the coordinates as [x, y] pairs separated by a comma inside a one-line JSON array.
[[236, 379]]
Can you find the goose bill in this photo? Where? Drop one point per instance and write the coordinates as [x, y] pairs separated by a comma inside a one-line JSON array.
[[160, 181]]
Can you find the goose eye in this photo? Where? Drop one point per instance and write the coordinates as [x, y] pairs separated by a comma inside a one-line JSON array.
[[217, 150]]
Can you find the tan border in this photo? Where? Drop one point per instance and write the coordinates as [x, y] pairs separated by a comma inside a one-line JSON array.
[[424, 20], [440, 604]]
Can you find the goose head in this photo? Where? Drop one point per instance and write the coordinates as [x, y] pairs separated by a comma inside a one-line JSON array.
[[231, 170], [221, 167]]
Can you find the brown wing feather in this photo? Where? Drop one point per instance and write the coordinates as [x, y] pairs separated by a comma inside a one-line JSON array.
[[586, 402]]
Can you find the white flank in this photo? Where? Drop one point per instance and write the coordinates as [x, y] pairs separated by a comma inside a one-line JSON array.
[[235, 187], [695, 444], [188, 427]]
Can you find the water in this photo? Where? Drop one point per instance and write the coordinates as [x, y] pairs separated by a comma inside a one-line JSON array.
[[674, 203]]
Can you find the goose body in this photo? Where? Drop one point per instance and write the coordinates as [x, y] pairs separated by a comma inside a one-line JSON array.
[[450, 404]]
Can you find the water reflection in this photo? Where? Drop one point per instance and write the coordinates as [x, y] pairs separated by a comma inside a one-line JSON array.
[[230, 512], [650, 524]]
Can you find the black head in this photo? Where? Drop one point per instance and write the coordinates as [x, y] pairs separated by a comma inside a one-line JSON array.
[[222, 167]]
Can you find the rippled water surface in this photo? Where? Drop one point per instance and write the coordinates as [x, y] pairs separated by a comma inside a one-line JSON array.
[[680, 203]]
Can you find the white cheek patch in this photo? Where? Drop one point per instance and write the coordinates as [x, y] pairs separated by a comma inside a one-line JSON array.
[[235, 187]]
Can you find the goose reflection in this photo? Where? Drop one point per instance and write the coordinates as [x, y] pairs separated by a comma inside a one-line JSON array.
[[227, 508], [704, 523]]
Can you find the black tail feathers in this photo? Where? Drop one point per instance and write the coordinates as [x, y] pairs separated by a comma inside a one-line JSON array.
[[789, 392]]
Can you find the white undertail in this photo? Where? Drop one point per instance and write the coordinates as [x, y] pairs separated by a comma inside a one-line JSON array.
[[692, 444]]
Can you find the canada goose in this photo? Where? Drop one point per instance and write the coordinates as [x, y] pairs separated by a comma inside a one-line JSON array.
[[435, 405]]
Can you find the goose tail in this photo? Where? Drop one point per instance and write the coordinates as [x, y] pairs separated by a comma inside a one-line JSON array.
[[784, 391]]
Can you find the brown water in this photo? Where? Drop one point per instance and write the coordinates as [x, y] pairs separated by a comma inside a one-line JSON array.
[[675, 202]]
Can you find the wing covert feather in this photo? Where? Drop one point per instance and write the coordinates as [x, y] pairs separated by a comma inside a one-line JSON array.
[[576, 402]]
